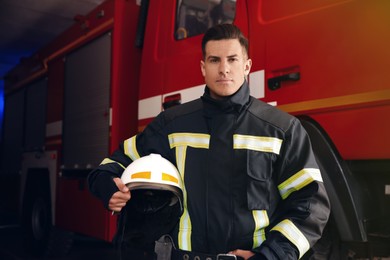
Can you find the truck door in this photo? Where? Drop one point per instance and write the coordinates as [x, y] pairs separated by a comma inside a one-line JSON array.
[[328, 61], [327, 55]]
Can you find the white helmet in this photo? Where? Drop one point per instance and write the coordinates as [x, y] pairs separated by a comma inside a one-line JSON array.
[[156, 202], [153, 172]]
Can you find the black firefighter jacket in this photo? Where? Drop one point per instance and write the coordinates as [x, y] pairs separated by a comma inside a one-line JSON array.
[[251, 179]]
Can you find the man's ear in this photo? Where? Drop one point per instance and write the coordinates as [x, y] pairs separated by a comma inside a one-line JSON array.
[[202, 69], [248, 66]]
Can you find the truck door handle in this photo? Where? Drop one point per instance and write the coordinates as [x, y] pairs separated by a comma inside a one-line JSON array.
[[171, 101], [275, 82]]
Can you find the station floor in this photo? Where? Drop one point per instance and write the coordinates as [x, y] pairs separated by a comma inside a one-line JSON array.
[[11, 241]]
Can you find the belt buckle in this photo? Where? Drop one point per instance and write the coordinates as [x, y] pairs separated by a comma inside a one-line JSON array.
[[226, 257]]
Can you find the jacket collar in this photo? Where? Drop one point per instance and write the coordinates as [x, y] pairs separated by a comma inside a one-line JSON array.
[[234, 103]]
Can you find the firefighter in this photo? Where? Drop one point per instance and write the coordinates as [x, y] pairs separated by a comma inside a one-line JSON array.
[[251, 184]]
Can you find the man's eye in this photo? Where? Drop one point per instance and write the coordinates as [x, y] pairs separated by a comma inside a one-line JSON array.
[[213, 60], [233, 59]]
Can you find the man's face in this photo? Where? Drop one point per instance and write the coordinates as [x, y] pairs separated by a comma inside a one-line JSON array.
[[225, 67]]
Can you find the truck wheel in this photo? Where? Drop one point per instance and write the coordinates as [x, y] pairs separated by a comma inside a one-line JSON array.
[[40, 237], [36, 221]]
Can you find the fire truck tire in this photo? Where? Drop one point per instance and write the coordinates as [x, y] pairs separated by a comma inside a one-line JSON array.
[[40, 238], [36, 216]]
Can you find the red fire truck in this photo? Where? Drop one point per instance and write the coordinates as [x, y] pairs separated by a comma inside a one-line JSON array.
[[101, 81]]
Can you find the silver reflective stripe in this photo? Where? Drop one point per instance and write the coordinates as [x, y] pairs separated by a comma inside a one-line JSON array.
[[107, 161], [261, 220], [257, 143], [292, 233], [181, 141], [299, 180], [189, 139], [131, 148]]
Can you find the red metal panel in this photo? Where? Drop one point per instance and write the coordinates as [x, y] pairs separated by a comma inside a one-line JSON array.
[[78, 211], [340, 47], [126, 59], [359, 133]]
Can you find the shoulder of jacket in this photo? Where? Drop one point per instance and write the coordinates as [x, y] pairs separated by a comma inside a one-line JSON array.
[[183, 109], [271, 114]]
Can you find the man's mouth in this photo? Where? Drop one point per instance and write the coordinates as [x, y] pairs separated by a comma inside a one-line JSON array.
[[223, 80]]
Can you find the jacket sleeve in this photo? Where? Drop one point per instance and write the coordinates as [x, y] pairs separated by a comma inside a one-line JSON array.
[[151, 140], [304, 209]]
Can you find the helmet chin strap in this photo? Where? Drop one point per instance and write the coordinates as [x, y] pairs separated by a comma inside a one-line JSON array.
[[174, 200], [151, 201]]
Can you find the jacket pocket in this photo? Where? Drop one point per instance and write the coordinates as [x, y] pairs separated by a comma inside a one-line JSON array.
[[259, 181]]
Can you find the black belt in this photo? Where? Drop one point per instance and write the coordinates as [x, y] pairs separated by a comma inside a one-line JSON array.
[[165, 249], [189, 255]]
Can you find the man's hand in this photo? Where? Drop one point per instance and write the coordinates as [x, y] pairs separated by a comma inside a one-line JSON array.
[[119, 198], [242, 253]]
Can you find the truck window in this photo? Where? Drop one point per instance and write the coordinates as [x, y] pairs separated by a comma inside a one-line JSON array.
[[194, 17]]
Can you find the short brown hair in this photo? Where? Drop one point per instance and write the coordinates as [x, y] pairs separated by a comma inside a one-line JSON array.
[[224, 32]]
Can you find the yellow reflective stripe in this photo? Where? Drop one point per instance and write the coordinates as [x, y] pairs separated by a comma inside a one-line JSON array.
[[131, 148], [189, 139], [298, 181], [168, 177], [257, 143], [181, 141], [185, 227], [141, 175], [261, 220], [185, 230], [292, 233], [258, 238], [107, 161]]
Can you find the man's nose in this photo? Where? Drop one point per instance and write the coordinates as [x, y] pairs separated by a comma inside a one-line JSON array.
[[224, 67]]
